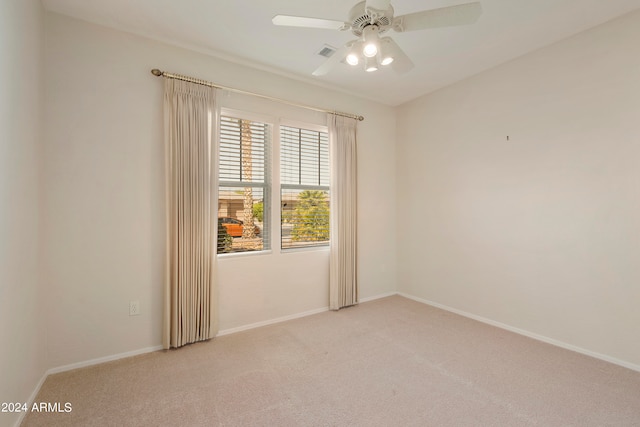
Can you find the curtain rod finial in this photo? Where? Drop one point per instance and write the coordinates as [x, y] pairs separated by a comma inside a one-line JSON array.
[[156, 72]]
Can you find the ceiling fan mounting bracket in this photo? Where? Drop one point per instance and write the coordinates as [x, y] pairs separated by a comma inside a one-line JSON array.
[[361, 17]]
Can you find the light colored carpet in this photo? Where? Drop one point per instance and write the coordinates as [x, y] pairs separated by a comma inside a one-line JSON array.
[[389, 362]]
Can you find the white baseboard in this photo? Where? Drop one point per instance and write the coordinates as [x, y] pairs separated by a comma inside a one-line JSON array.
[[533, 335], [31, 399], [271, 322], [293, 316], [375, 297], [102, 360]]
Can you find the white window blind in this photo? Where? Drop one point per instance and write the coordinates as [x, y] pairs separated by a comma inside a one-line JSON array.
[[243, 198], [304, 189]]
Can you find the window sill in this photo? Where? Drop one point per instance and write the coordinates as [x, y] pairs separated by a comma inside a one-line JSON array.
[[308, 249], [244, 254]]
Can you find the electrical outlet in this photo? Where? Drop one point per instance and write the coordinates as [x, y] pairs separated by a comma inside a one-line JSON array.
[[134, 308]]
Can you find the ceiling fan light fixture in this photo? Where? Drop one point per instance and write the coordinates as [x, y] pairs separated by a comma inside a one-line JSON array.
[[386, 60], [368, 19], [371, 41], [387, 51], [370, 65], [370, 50], [352, 59]]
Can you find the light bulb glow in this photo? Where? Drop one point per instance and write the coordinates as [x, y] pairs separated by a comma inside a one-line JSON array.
[[352, 59], [386, 61], [371, 68], [371, 41], [370, 50]]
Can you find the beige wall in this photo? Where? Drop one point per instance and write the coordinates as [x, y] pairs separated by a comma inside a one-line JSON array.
[[22, 348], [539, 232], [104, 194]]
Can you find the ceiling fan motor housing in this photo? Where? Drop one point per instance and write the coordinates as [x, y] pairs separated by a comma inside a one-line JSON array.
[[360, 18]]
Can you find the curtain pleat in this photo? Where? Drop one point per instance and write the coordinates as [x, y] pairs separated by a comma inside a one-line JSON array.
[[343, 284], [190, 116]]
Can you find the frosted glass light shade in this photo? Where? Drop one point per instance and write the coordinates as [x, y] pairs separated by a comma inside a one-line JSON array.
[[370, 64], [370, 50], [371, 41]]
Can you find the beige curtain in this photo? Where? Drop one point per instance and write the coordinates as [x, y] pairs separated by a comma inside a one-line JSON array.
[[343, 285], [190, 118]]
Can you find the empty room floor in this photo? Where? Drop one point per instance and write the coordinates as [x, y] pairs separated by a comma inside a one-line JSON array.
[[388, 362]]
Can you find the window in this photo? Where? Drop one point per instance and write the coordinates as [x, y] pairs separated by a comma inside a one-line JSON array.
[[304, 187], [243, 198]]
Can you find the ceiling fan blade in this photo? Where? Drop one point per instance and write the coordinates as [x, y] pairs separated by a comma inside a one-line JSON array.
[[334, 59], [300, 21], [401, 62], [462, 14], [381, 5]]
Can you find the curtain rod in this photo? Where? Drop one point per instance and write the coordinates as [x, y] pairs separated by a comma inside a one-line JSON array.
[[159, 73]]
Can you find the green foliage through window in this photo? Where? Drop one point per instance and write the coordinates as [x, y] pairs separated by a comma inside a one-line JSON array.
[[304, 187], [258, 211], [311, 217]]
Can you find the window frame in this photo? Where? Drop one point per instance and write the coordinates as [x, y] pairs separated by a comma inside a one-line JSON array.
[[267, 186], [272, 179], [314, 128]]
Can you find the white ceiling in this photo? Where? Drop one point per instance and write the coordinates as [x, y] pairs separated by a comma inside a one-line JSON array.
[[241, 31]]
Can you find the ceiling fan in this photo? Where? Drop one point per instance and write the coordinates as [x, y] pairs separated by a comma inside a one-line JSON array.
[[371, 18]]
